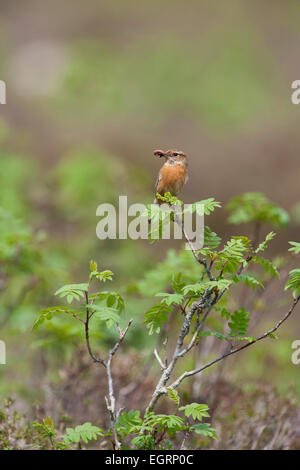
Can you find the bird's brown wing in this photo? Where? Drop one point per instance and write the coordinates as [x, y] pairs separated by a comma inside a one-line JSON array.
[[156, 185], [157, 181]]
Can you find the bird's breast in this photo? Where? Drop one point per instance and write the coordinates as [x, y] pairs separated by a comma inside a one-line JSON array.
[[172, 178]]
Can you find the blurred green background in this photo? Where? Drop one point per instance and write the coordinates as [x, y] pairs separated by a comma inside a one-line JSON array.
[[92, 88]]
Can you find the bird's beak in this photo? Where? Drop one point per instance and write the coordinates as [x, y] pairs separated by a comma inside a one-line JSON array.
[[159, 153]]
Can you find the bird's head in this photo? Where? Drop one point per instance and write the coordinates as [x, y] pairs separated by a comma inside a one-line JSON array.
[[173, 156]]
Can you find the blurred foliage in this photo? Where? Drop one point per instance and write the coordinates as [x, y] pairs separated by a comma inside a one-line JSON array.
[[163, 76], [255, 207], [48, 221], [212, 76], [220, 271], [38, 210], [35, 258], [296, 213], [85, 179], [17, 174]]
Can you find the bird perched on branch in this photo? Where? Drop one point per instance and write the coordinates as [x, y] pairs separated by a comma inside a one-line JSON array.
[[173, 174]]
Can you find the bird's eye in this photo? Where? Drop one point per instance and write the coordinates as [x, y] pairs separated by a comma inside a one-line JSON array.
[[175, 154]]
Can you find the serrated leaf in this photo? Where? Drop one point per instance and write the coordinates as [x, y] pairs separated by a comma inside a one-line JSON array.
[[171, 299], [129, 422], [195, 410], [213, 333], [73, 291], [239, 322], [200, 287], [294, 282], [268, 266], [262, 246], [204, 429], [233, 254], [80, 288], [221, 336], [211, 239], [111, 298], [272, 336], [85, 432], [206, 206], [47, 314], [173, 423], [248, 280], [108, 314], [168, 198], [177, 282], [105, 275], [156, 316], [173, 395], [295, 247]]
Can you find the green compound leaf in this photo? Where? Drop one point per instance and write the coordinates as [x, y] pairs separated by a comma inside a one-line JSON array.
[[195, 410], [173, 395], [85, 432]]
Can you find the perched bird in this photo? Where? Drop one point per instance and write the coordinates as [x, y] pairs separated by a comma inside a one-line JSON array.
[[173, 174]]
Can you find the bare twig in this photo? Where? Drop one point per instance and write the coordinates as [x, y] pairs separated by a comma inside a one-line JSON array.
[[200, 325], [111, 401], [197, 307], [233, 351], [87, 335], [165, 352], [162, 365], [122, 336], [160, 387], [186, 434], [160, 438]]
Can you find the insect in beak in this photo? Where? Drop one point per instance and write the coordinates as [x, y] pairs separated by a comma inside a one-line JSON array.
[[159, 153]]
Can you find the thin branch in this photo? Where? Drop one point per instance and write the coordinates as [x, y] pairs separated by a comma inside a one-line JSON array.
[[78, 318], [233, 351], [196, 308], [87, 334], [160, 438], [200, 326], [111, 402], [162, 365], [165, 352], [160, 387], [199, 306], [122, 334]]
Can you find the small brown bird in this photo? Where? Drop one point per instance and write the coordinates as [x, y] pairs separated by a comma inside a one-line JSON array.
[[173, 174]]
